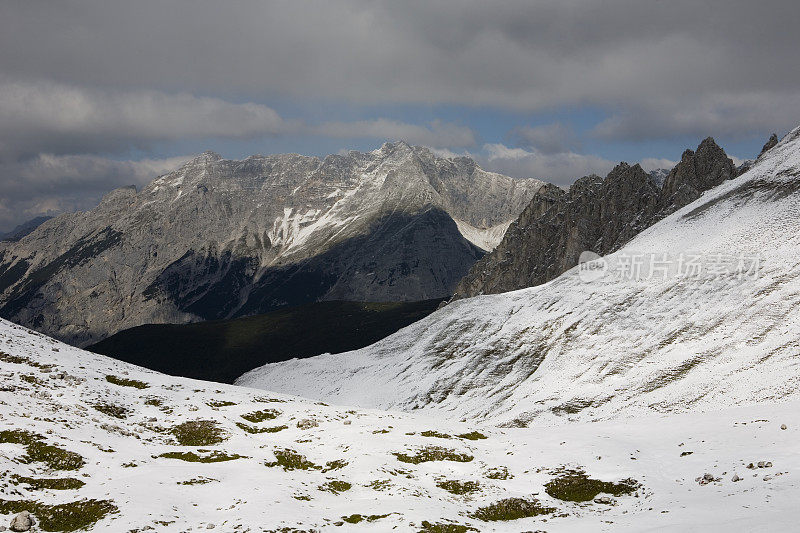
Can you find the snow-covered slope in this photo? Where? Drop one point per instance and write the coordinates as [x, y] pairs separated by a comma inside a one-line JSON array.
[[89, 442], [663, 341]]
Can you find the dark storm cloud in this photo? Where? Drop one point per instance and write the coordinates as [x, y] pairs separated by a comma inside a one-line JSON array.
[[518, 54]]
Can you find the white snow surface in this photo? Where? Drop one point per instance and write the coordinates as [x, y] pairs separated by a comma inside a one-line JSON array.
[[610, 348], [484, 238], [52, 390]]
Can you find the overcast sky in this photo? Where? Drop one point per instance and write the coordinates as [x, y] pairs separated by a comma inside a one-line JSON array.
[[99, 94]]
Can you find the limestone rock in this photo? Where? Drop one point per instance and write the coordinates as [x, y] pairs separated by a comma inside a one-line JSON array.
[[22, 522]]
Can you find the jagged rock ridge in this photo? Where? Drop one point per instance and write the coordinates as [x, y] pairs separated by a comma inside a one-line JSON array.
[[595, 214], [220, 238]]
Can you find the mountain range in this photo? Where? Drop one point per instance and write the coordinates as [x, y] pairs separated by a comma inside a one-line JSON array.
[[219, 239], [697, 312], [653, 387]]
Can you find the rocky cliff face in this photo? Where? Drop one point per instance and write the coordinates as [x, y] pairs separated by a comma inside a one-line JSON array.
[[596, 214], [220, 238]]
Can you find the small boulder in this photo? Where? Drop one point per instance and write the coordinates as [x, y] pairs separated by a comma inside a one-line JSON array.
[[605, 500], [307, 423], [736, 478], [22, 522], [706, 479], [783, 427]]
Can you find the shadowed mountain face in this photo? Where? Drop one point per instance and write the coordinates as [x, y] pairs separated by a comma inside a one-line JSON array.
[[223, 350], [220, 239], [596, 214], [403, 257]]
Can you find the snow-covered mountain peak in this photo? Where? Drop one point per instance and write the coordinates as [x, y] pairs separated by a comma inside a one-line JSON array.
[[241, 228]]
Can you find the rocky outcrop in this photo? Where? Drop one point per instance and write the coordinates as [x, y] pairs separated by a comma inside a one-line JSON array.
[[596, 214], [220, 239], [24, 521], [769, 145], [696, 173]]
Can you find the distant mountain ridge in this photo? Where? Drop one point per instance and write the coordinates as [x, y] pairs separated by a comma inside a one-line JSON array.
[[219, 238], [24, 229]]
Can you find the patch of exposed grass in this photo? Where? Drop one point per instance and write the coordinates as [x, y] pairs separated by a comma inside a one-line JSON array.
[[33, 380], [67, 483], [459, 487], [255, 430], [380, 484], [433, 433], [214, 456], [264, 399], [291, 460], [54, 457], [357, 518], [110, 409], [259, 416], [72, 516], [198, 433], [442, 527], [153, 400], [472, 435], [576, 486], [433, 453], [18, 436], [219, 403], [124, 382], [338, 464], [39, 452], [500, 472], [336, 486], [20, 360], [511, 509]]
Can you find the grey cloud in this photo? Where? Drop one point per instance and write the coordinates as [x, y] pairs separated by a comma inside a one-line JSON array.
[[650, 164], [720, 115], [548, 138], [561, 168], [516, 54], [50, 184], [50, 117], [437, 134], [46, 117]]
